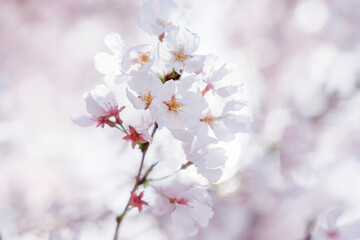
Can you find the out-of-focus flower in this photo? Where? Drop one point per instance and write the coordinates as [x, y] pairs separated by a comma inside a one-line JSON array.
[[333, 231], [224, 125], [208, 161], [157, 23], [192, 207], [110, 64], [213, 72]]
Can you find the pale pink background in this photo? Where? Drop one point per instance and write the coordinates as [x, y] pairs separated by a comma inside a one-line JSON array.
[[300, 65]]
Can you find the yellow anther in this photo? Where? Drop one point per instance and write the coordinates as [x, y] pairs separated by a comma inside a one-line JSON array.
[[180, 55], [146, 97], [209, 119], [143, 58], [174, 104]]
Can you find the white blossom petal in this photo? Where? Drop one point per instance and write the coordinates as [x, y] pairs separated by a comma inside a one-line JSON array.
[[215, 158], [93, 107], [107, 64], [222, 132], [212, 175], [183, 217], [202, 213], [138, 104], [114, 42], [194, 64], [83, 120], [227, 91]]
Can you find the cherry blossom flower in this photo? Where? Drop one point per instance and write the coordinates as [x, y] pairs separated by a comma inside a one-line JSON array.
[[213, 72], [179, 46], [192, 208], [110, 64], [146, 87], [134, 136], [164, 85], [208, 161], [224, 125], [157, 23], [163, 71], [332, 231], [178, 108], [102, 105], [138, 57], [136, 201]]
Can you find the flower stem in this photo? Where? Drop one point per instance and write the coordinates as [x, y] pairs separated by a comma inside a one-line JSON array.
[[167, 176], [123, 129], [161, 193], [139, 181], [184, 166], [120, 129]]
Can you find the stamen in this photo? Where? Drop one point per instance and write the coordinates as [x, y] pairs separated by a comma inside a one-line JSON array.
[[174, 104], [146, 97], [209, 119], [143, 58], [180, 56], [162, 23]]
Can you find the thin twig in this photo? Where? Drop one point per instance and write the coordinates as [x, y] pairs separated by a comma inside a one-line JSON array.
[[120, 129], [124, 129], [139, 181], [184, 166], [161, 193], [167, 176]]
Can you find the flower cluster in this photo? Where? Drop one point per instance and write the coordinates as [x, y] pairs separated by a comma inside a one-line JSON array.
[[175, 88]]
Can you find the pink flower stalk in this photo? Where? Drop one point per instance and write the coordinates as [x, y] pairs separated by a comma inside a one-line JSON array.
[[112, 112], [102, 120], [214, 71], [332, 234], [137, 201], [134, 137], [182, 201], [208, 87]]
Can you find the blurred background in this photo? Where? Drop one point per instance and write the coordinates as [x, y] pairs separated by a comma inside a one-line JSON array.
[[299, 61]]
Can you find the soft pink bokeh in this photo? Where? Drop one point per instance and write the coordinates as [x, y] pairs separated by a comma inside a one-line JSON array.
[[300, 65]]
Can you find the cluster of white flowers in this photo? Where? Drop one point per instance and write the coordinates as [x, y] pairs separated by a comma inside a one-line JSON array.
[[175, 88], [333, 231]]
